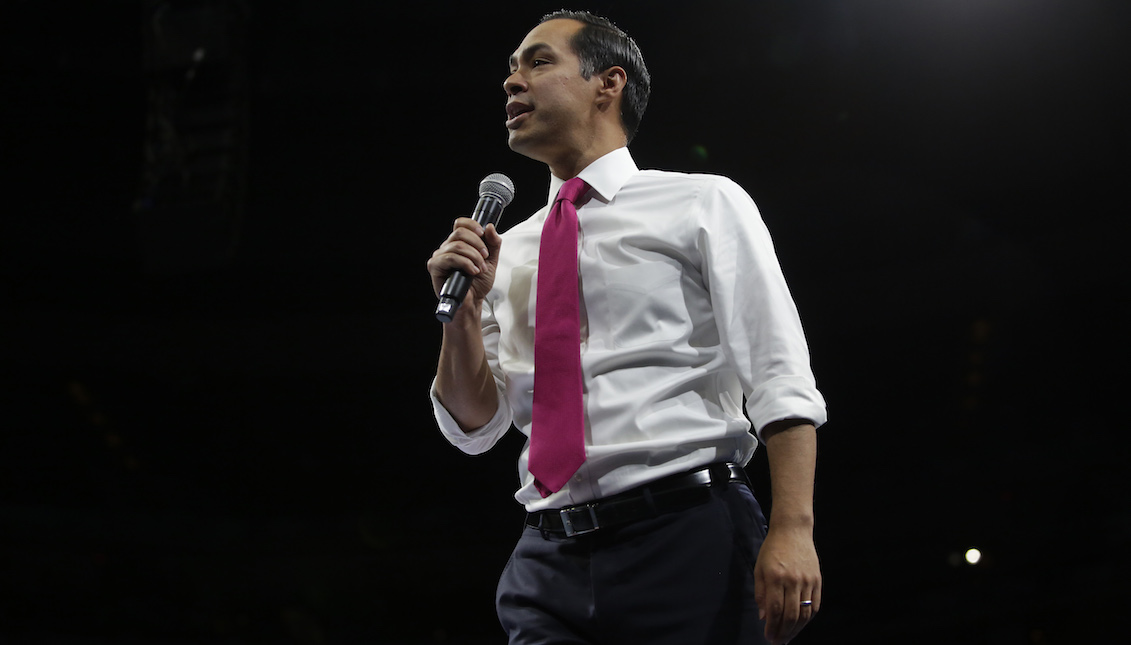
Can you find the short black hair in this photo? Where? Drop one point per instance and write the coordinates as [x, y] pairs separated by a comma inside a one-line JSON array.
[[600, 44]]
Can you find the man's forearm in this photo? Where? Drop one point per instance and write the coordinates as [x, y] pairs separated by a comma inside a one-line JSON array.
[[464, 383], [791, 449], [787, 576]]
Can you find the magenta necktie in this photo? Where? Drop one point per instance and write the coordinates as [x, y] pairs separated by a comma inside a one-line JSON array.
[[557, 439]]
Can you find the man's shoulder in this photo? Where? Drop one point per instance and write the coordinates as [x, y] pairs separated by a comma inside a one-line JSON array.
[[685, 187], [679, 180]]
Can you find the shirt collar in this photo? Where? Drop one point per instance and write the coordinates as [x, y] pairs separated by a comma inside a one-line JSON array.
[[605, 176]]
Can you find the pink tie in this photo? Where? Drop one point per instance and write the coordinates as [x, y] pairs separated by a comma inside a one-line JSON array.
[[557, 439]]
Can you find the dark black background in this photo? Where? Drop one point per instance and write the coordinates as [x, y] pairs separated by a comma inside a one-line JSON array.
[[244, 453]]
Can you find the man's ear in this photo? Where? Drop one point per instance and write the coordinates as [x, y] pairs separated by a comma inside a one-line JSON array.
[[613, 81]]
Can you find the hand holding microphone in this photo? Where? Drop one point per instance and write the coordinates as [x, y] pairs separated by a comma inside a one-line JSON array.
[[468, 257]]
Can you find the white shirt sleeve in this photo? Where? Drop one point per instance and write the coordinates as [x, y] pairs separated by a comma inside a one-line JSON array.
[[758, 323]]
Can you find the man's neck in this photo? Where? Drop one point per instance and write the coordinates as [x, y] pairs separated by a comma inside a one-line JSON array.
[[570, 162], [571, 167]]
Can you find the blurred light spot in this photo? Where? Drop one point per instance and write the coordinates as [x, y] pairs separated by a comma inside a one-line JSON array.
[[973, 556], [699, 152]]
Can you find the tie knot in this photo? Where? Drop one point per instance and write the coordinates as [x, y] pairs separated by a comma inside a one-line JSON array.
[[572, 190]]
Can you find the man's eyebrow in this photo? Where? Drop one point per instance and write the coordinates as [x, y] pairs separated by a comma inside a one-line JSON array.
[[528, 53]]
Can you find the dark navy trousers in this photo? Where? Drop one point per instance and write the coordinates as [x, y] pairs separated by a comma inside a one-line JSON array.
[[682, 578]]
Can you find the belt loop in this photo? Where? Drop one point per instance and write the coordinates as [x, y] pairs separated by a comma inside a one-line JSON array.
[[738, 474], [542, 530], [720, 475]]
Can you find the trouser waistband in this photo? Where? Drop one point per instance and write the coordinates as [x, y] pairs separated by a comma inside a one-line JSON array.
[[667, 495]]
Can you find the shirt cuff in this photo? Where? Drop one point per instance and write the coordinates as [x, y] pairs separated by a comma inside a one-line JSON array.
[[473, 442], [786, 397]]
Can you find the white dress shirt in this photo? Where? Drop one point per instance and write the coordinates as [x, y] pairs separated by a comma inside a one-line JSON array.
[[684, 310]]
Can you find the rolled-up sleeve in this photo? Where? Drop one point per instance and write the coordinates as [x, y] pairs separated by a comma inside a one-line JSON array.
[[757, 319], [482, 439]]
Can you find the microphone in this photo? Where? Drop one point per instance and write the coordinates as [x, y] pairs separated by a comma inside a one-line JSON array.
[[495, 192]]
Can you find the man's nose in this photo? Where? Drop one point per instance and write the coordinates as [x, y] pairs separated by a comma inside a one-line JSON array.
[[514, 84]]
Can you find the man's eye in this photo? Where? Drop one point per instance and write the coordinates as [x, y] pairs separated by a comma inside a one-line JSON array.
[[537, 62]]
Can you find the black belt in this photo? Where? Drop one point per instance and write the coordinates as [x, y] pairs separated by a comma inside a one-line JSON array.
[[674, 493]]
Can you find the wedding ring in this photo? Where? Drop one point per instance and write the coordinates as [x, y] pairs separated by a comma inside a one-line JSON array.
[[806, 603]]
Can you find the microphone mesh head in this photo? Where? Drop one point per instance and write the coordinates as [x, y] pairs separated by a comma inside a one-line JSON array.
[[499, 185]]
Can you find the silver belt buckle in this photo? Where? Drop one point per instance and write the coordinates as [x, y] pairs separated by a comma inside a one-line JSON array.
[[567, 523]]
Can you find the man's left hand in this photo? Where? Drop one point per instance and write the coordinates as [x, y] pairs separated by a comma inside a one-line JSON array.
[[786, 574]]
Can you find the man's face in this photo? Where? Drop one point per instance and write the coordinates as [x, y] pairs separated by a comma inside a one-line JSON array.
[[549, 104]]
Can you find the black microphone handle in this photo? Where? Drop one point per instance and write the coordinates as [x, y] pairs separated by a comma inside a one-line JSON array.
[[487, 211]]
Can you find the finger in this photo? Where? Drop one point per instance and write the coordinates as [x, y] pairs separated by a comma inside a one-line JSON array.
[[804, 615], [456, 257], [774, 609], [467, 231], [785, 610], [806, 612], [491, 235], [467, 223], [760, 593], [767, 595], [443, 264], [470, 238], [791, 614], [494, 242], [463, 241]]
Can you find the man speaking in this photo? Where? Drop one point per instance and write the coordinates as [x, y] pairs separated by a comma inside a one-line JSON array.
[[622, 328]]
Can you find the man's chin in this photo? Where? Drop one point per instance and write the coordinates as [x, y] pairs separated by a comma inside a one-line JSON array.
[[518, 142]]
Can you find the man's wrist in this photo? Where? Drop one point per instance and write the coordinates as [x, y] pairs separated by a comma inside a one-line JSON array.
[[793, 522], [466, 318]]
